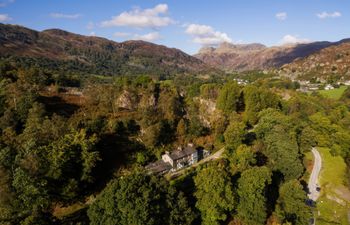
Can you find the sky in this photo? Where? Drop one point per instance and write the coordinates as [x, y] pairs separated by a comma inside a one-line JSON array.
[[188, 24]]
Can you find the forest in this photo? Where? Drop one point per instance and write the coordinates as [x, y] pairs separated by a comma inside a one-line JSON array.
[[73, 148]]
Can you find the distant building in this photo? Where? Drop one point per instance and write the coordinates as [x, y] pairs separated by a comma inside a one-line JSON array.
[[304, 89], [308, 87], [177, 159], [303, 82], [328, 87], [241, 81], [314, 87]]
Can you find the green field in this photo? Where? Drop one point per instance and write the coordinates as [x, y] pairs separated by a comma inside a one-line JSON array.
[[333, 207], [334, 94]]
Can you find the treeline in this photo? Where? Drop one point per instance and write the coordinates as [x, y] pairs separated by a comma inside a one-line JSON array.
[[111, 67]]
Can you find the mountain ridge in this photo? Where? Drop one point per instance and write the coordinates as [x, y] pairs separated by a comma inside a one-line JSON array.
[[238, 57], [328, 63], [96, 55]]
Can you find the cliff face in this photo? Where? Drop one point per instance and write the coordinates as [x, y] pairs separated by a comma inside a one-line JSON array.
[[257, 56]]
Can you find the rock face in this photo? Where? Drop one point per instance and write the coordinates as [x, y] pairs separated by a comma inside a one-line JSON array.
[[127, 101], [207, 111], [95, 55], [245, 57]]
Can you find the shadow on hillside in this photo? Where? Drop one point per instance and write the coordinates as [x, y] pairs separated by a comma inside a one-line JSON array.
[[300, 51], [116, 153], [57, 105]]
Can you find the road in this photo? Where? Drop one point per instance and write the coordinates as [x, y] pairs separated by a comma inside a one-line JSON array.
[[313, 181], [215, 156]]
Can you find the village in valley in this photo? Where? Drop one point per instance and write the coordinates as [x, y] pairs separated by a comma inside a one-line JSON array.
[[320, 84]]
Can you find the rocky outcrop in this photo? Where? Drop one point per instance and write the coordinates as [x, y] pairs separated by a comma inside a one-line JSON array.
[[207, 111], [127, 101]]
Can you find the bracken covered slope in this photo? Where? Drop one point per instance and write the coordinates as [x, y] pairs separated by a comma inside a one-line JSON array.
[[245, 57], [61, 49], [329, 62]]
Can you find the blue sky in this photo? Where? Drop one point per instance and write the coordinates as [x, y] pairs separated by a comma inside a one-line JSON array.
[[188, 25]]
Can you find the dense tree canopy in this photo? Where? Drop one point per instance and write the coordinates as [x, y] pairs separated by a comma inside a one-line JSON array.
[[214, 193], [234, 134], [256, 99], [281, 146], [291, 205], [241, 158], [252, 195], [228, 99], [140, 199]]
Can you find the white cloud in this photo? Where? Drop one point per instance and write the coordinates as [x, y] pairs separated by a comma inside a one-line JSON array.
[[153, 36], [325, 15], [281, 16], [206, 35], [4, 18], [151, 18], [121, 34], [92, 33], [65, 16], [293, 39]]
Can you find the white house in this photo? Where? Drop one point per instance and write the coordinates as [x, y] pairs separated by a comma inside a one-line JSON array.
[[328, 87], [181, 157], [177, 159]]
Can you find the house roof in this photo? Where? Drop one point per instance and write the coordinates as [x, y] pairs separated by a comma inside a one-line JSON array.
[[158, 167], [178, 154]]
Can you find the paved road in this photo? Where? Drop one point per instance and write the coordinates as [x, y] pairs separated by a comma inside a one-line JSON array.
[[215, 156], [313, 181]]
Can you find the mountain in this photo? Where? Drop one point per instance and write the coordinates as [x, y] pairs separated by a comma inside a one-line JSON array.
[[331, 61], [62, 50], [243, 57]]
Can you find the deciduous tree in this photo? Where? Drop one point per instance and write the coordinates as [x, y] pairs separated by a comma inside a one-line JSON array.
[[228, 97], [214, 193], [252, 200], [291, 204]]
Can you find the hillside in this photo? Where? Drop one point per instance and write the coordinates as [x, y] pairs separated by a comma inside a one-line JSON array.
[[332, 61], [58, 49], [245, 57]]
